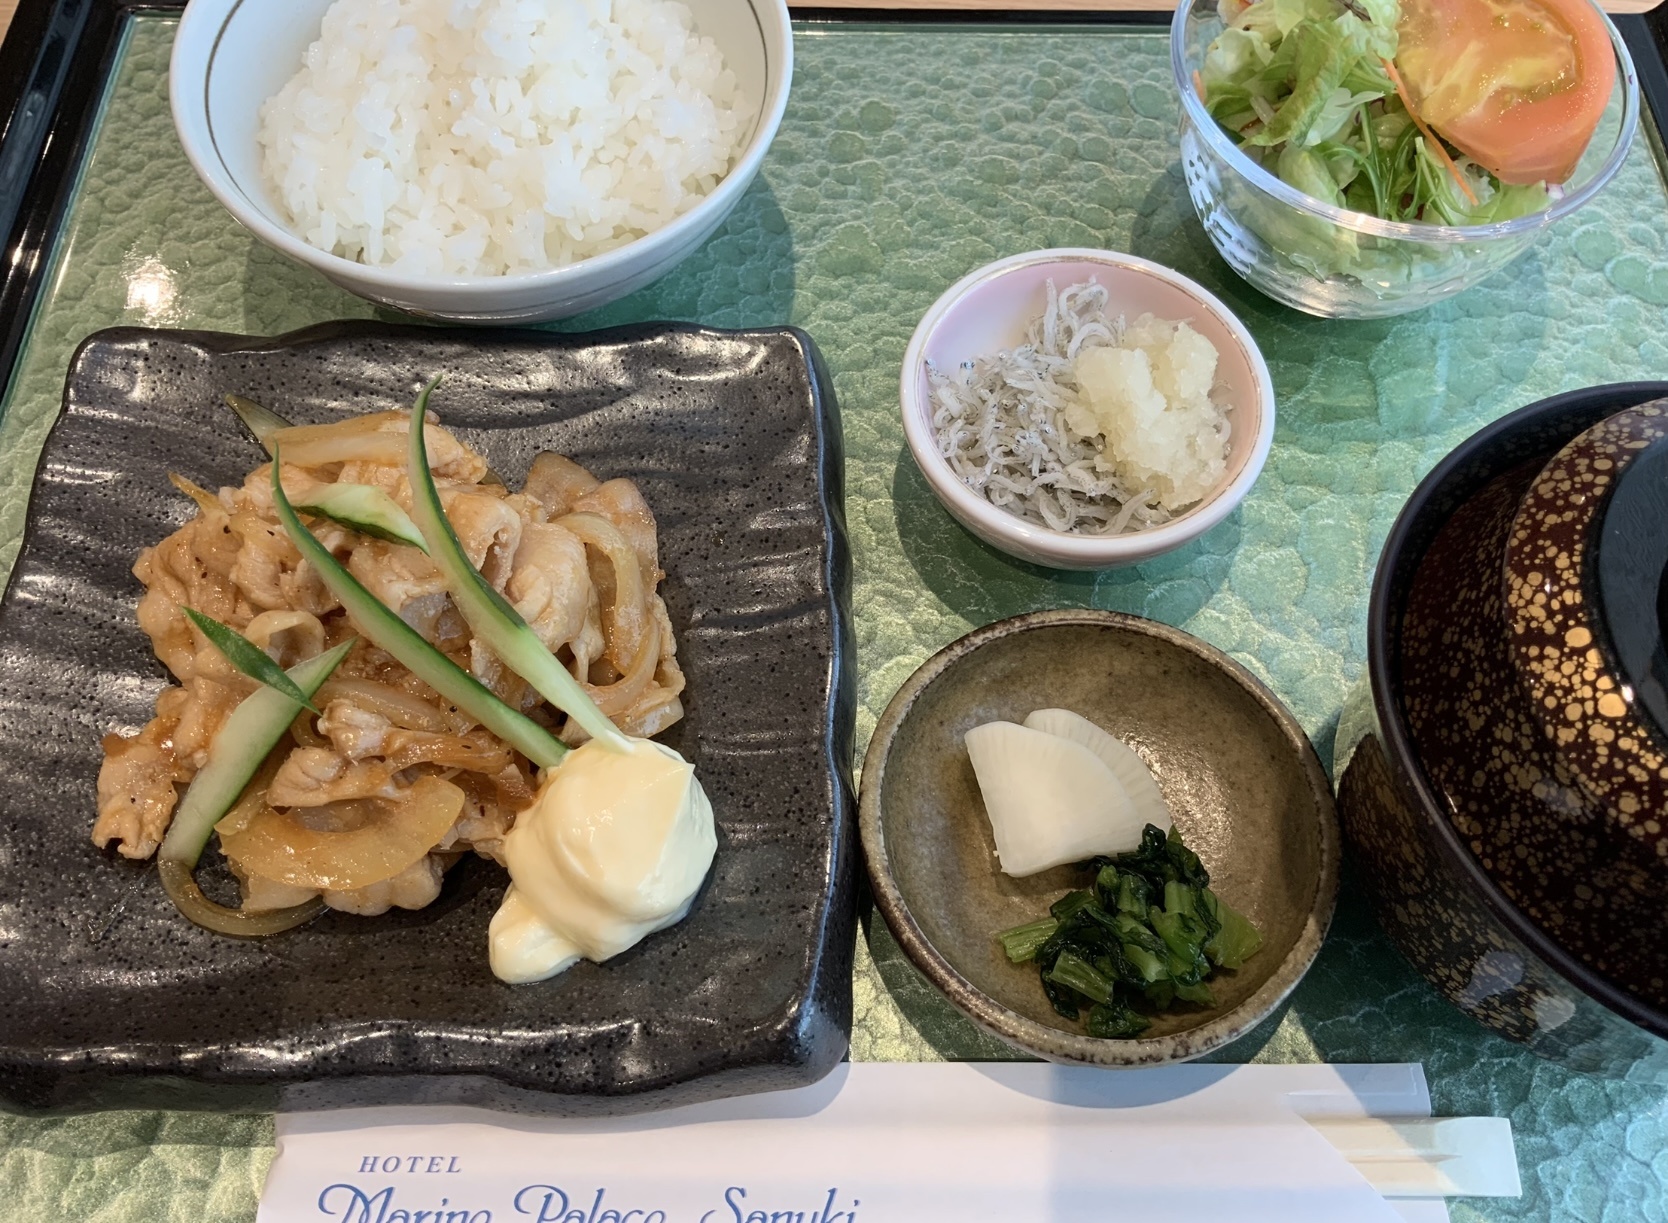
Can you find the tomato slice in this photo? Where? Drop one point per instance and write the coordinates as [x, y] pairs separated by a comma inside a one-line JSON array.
[[1519, 86]]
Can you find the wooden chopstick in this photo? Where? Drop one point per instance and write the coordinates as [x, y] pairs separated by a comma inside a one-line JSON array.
[[1428, 1156]]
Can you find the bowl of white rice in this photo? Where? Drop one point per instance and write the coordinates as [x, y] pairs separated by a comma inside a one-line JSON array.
[[1081, 409], [490, 161]]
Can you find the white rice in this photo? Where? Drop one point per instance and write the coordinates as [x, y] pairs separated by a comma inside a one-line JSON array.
[[486, 137]]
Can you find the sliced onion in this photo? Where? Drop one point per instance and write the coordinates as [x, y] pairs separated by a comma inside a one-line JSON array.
[[614, 699], [253, 799], [512, 789], [289, 636], [658, 709], [396, 833], [366, 441], [206, 501], [336, 430], [182, 889], [627, 617], [398, 706], [481, 752], [384, 448]]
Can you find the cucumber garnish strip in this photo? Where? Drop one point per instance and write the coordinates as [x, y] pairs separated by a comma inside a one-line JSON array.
[[363, 508], [248, 657], [240, 745], [236, 753], [394, 635], [487, 612]]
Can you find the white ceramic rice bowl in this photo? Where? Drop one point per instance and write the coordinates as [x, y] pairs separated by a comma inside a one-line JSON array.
[[230, 56], [992, 307]]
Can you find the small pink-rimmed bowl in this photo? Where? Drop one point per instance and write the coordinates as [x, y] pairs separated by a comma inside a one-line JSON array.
[[991, 308]]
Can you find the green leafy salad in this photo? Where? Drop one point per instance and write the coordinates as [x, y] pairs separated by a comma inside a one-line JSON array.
[[1147, 932], [1310, 90]]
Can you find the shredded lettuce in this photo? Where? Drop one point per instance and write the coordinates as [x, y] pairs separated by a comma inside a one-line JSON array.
[[1495, 200]]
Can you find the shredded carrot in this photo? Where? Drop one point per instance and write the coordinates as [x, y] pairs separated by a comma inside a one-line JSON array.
[[1198, 85], [1430, 136]]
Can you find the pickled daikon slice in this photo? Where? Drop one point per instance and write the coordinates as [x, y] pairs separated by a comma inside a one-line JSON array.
[[1052, 798]]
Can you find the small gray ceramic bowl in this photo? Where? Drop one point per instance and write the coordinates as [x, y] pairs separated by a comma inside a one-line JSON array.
[[1239, 774]]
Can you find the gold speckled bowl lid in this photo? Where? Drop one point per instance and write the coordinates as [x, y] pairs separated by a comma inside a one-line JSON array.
[[1584, 590]]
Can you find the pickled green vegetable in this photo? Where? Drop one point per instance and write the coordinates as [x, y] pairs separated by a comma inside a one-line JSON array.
[[1114, 949]]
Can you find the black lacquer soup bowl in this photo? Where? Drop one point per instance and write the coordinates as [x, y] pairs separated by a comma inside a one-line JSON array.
[[1495, 768]]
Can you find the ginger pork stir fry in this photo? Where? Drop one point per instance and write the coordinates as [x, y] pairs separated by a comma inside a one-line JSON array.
[[367, 802]]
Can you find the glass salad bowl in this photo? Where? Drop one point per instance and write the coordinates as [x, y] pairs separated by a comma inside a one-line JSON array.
[[1337, 263]]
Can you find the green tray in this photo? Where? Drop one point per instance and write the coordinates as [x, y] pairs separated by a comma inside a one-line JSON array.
[[910, 154]]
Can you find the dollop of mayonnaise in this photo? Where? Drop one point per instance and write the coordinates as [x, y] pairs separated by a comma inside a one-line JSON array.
[[614, 847]]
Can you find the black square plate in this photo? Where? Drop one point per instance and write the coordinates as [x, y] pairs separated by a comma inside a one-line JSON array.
[[109, 998]]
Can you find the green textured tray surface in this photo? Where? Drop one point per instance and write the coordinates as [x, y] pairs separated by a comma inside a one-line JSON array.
[[910, 155]]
